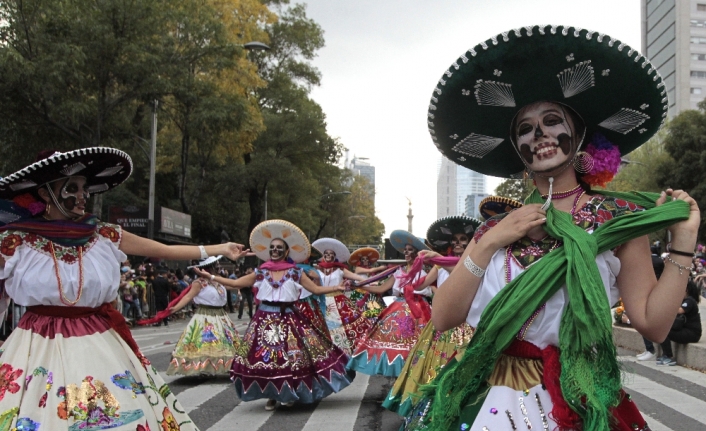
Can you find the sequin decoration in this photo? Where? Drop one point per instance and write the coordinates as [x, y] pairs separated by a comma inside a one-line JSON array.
[[512, 422], [523, 409], [545, 423], [526, 392], [494, 411], [465, 427]]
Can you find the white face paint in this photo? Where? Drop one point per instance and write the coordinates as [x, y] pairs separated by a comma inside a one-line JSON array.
[[410, 253], [329, 255], [70, 196], [545, 137], [459, 242]]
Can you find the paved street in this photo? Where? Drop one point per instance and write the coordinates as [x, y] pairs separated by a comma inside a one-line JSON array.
[[672, 398]]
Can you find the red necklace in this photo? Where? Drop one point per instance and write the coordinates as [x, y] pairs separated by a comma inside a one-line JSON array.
[[62, 296], [566, 194]]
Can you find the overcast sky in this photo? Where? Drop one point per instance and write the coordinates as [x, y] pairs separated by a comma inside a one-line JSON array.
[[383, 58]]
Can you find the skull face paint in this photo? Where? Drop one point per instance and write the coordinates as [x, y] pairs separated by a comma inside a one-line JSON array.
[[364, 262], [278, 249], [329, 255], [459, 242], [70, 196], [410, 253], [545, 136]]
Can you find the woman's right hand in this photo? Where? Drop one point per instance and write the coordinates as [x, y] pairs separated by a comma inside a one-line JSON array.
[[428, 254], [522, 222]]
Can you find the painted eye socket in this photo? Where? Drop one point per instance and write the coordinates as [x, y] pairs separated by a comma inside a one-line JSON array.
[[524, 129], [553, 120], [276, 247]]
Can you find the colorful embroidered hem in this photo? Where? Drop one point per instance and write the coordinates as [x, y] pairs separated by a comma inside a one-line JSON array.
[[346, 321], [207, 345], [85, 377], [284, 357], [425, 360], [385, 348]]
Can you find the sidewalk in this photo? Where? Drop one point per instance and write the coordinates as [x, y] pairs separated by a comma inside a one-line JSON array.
[[691, 355]]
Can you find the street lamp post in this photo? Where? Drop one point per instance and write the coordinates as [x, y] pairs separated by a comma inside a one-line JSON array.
[[153, 162]]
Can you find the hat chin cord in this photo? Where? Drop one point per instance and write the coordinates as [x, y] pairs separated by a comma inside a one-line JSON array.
[[59, 206]]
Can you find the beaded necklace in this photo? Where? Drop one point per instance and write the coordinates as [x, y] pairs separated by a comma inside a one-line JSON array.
[[566, 194], [276, 284], [62, 296]]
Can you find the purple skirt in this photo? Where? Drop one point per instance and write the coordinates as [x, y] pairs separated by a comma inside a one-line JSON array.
[[286, 358]]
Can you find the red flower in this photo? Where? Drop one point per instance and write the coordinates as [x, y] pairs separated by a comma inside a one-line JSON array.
[[169, 423], [9, 244], [31, 238], [69, 258], [24, 200], [259, 277], [145, 427], [110, 233], [7, 380]]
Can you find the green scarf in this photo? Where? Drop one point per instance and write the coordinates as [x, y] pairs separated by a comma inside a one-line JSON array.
[[590, 375]]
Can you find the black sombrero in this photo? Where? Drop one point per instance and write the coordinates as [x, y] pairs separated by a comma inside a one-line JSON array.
[[103, 168], [615, 89], [441, 232], [494, 205]]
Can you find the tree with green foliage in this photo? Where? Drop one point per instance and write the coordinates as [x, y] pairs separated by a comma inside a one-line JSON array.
[[514, 189]]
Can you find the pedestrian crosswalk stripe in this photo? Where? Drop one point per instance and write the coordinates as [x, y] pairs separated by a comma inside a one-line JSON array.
[[245, 416], [654, 424], [194, 397], [341, 408], [669, 397]]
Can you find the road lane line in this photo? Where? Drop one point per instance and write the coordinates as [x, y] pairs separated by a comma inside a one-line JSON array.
[[194, 397], [340, 408]]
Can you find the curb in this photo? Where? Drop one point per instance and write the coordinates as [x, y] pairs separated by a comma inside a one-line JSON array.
[[690, 355]]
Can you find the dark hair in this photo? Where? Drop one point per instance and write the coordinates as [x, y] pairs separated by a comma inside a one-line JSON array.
[[693, 290], [286, 246]]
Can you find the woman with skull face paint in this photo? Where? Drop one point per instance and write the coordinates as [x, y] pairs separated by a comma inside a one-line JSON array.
[[208, 344], [370, 303], [384, 349], [345, 320], [449, 235], [284, 357], [537, 283], [72, 350]]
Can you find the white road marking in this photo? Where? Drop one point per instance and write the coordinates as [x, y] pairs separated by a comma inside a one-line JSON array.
[[245, 416], [341, 408], [192, 398], [679, 401]]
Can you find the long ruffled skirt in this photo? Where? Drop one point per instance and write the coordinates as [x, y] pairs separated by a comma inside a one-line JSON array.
[[78, 374], [384, 349], [207, 345], [432, 351], [311, 308], [284, 357], [346, 321]]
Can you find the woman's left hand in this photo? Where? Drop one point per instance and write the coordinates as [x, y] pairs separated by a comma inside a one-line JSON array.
[[201, 273], [684, 233], [428, 254], [233, 251]]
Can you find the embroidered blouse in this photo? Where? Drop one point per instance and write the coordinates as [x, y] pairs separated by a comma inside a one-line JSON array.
[[286, 289], [544, 328], [212, 294], [31, 275]]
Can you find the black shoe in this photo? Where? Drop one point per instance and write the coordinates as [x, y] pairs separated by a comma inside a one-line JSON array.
[[240, 317]]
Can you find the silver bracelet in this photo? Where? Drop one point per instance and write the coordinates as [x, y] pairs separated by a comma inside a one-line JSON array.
[[213, 277], [473, 268], [202, 249], [680, 266]]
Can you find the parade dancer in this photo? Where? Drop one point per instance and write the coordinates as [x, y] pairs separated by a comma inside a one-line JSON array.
[[345, 320], [449, 235], [283, 357], [384, 349], [208, 344], [362, 260], [313, 307], [537, 283], [72, 363]]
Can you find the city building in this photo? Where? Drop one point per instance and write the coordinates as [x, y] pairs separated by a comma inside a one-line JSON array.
[[472, 203], [454, 183], [361, 166], [674, 39]]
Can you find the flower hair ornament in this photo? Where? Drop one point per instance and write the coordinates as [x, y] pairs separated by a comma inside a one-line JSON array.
[[603, 157]]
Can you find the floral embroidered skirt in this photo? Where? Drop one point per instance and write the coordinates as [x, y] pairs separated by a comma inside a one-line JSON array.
[[78, 374], [346, 321], [495, 405], [284, 357], [432, 351], [384, 349], [371, 304], [311, 308], [207, 345]]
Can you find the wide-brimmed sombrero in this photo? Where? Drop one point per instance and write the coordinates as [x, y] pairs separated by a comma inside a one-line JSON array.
[[441, 232], [399, 238], [615, 89], [494, 205], [207, 262], [369, 252], [268, 230], [323, 244], [103, 168]]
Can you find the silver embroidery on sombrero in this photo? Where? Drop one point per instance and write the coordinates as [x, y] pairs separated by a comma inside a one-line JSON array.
[[494, 93], [477, 146], [576, 79], [73, 169], [624, 121]]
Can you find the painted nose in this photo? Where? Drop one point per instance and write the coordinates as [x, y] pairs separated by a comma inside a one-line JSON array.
[[538, 133]]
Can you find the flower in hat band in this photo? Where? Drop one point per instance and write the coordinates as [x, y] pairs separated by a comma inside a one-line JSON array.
[[614, 89]]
